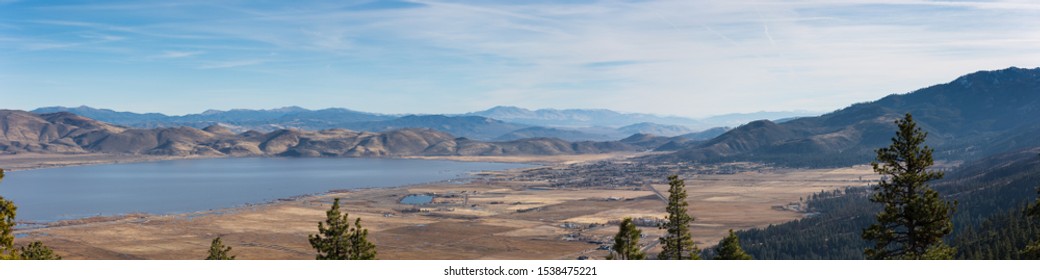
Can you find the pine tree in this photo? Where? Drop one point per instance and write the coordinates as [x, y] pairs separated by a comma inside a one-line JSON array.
[[626, 242], [219, 252], [36, 251], [1032, 250], [1034, 210], [7, 213], [331, 241], [336, 240], [678, 242], [914, 219], [360, 247], [729, 249]]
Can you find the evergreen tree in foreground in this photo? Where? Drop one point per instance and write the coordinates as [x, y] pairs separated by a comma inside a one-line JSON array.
[[360, 248], [914, 219], [336, 240], [626, 242], [217, 251], [7, 212], [729, 249], [35, 250], [1032, 250], [678, 242]]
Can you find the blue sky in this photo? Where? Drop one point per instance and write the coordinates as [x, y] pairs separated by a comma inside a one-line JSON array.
[[687, 58]]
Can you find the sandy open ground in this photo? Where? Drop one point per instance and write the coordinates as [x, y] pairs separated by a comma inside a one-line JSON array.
[[483, 219]]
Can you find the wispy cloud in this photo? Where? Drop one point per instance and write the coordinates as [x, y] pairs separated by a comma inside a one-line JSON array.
[[178, 54], [615, 63], [231, 64], [80, 41], [675, 57], [996, 5]]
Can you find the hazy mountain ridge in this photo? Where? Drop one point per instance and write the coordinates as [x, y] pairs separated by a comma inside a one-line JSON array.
[[551, 132], [586, 118], [240, 119], [706, 134], [973, 116], [655, 129], [120, 118], [466, 125], [475, 127], [736, 119], [654, 142], [575, 117], [69, 133]]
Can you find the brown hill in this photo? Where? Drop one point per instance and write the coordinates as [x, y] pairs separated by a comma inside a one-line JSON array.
[[69, 133], [48, 133], [218, 130]]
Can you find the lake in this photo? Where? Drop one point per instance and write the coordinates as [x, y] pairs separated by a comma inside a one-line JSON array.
[[182, 186]]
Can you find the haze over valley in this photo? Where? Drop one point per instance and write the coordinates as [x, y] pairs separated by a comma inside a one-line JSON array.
[[498, 123], [961, 114]]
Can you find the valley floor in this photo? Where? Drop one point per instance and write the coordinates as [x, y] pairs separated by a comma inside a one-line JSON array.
[[553, 212]]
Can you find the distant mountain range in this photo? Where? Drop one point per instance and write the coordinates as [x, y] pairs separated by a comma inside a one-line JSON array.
[[64, 132], [570, 125], [976, 115], [585, 118], [237, 119], [575, 118]]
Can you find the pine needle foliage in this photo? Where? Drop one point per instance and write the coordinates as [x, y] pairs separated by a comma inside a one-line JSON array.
[[34, 251], [337, 240], [7, 213], [219, 252], [1032, 250], [914, 219], [37, 251], [626, 242], [729, 249], [677, 241]]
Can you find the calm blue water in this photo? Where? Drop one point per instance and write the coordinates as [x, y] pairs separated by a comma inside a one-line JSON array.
[[194, 185], [417, 199]]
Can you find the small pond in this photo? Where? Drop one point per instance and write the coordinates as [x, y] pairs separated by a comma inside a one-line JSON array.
[[417, 199]]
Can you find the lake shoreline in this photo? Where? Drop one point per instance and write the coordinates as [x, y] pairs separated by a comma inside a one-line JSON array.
[[177, 186], [488, 217], [26, 162], [35, 161], [24, 227]]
